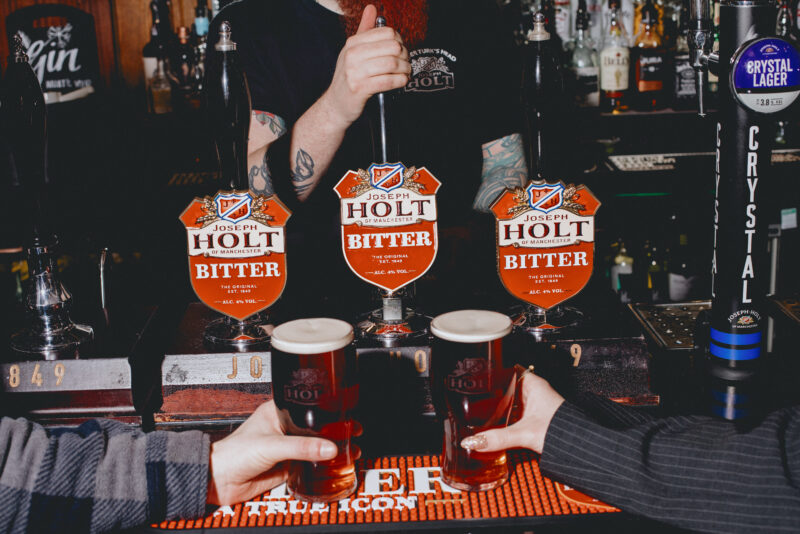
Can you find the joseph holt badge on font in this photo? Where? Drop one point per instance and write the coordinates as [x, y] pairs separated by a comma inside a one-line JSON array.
[[237, 251], [545, 241], [388, 215]]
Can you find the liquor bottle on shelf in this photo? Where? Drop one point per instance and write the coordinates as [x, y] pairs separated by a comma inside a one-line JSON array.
[[563, 20], [615, 63], [542, 86], [556, 43], [160, 89], [200, 43], [684, 87], [683, 275], [713, 79], [621, 272], [784, 26], [183, 67], [651, 273], [153, 49], [670, 23], [201, 20], [165, 31], [594, 10], [583, 62], [649, 56]]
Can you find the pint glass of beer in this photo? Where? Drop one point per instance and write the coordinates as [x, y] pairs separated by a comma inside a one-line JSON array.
[[313, 385], [473, 391]]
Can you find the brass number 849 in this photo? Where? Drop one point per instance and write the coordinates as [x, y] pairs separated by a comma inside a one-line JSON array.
[[15, 375]]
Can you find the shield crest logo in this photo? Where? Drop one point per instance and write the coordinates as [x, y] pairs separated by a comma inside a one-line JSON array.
[[233, 207], [546, 197], [386, 177], [389, 231], [545, 260], [237, 252]]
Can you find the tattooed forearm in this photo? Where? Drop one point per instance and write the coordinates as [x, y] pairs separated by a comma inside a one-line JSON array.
[[503, 167], [274, 122], [260, 181], [302, 189], [303, 166]]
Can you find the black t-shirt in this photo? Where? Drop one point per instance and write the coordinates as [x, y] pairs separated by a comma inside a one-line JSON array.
[[463, 93]]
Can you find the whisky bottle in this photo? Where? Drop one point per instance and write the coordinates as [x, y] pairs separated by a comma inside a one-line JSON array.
[[621, 272], [183, 69], [615, 63], [153, 49], [583, 63], [649, 55], [684, 88], [160, 89], [784, 25], [201, 20]]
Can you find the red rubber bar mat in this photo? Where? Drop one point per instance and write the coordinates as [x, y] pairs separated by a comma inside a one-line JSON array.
[[407, 489]]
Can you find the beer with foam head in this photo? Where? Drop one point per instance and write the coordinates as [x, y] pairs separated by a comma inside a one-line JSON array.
[[313, 385], [473, 392]]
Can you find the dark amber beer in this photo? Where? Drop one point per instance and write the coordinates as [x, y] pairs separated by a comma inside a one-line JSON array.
[[473, 392], [312, 372]]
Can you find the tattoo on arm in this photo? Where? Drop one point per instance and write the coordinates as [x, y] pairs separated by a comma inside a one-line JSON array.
[[260, 180], [274, 122], [503, 167], [303, 166]]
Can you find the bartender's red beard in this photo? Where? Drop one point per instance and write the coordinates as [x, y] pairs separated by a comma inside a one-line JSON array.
[[408, 17]]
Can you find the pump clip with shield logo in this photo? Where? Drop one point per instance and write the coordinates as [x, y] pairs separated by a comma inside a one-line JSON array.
[[545, 241], [388, 214], [237, 251]]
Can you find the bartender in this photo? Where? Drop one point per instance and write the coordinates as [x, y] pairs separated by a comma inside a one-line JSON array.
[[313, 65]]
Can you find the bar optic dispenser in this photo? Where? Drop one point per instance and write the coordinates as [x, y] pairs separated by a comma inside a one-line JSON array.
[[759, 77], [50, 334]]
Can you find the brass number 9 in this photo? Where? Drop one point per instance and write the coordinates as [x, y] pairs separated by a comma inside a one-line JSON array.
[[575, 352], [59, 370]]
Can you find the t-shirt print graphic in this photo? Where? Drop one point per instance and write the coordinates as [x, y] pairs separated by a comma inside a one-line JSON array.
[[431, 70]]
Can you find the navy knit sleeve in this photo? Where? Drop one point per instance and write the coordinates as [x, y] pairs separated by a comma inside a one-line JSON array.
[[694, 472], [103, 475]]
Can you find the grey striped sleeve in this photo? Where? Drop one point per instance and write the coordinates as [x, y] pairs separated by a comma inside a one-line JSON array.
[[102, 475], [694, 472]]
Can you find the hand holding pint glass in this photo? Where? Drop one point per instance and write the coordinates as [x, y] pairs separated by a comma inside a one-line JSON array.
[[313, 385], [473, 392]]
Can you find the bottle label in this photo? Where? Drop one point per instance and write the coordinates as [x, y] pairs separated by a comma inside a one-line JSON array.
[[586, 86], [149, 64], [680, 287], [685, 86], [614, 62], [563, 26], [618, 272], [201, 26], [650, 72]]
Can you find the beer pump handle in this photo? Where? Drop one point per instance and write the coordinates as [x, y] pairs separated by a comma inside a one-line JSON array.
[[381, 134], [228, 102], [701, 39], [24, 119]]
